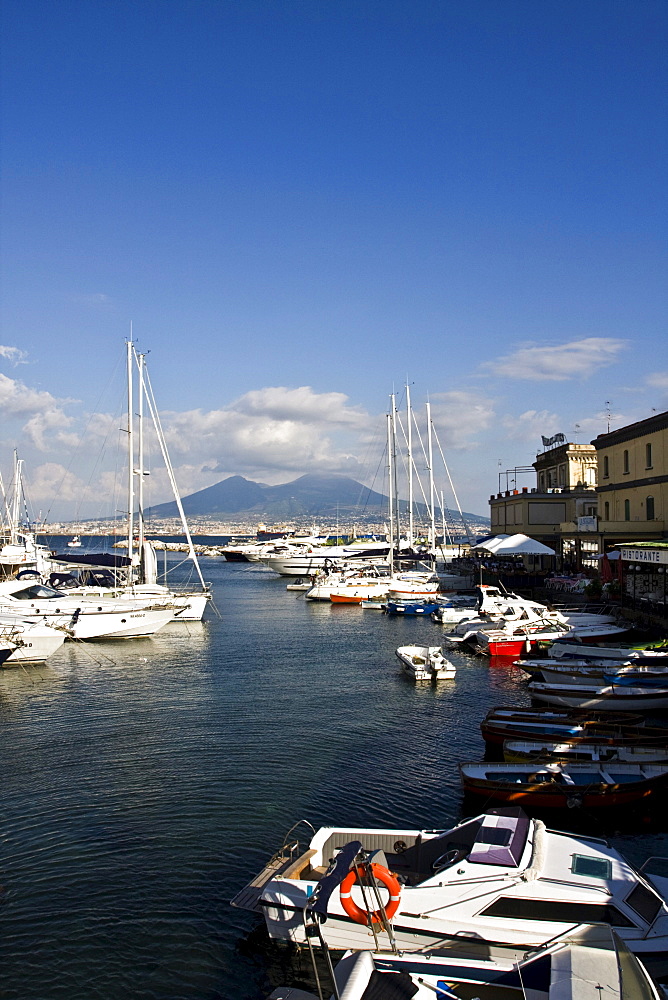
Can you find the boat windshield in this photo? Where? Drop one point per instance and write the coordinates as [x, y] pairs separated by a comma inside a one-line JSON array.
[[36, 590], [635, 984]]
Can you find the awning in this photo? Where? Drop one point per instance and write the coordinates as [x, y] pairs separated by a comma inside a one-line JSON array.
[[515, 545]]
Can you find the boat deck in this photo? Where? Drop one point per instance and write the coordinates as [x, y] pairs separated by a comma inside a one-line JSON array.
[[281, 864]]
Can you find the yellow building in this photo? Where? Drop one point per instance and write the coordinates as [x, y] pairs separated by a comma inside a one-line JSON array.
[[633, 481], [560, 510]]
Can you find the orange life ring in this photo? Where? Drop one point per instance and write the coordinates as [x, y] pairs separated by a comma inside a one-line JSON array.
[[356, 912]]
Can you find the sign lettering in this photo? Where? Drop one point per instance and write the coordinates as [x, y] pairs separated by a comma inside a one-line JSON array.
[[645, 555], [555, 439]]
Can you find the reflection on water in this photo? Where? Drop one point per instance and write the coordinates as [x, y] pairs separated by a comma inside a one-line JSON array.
[[144, 781]]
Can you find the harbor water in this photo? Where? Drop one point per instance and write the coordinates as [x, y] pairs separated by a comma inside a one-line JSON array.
[[145, 781]]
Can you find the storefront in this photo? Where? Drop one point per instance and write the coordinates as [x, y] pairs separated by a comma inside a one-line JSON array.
[[644, 578]]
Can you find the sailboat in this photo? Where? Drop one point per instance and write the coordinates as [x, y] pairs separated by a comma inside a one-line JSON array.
[[135, 576], [19, 549]]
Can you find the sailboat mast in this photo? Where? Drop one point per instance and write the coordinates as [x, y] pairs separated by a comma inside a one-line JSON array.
[[397, 530], [16, 500], [390, 489], [432, 505], [131, 455], [409, 444], [140, 455]]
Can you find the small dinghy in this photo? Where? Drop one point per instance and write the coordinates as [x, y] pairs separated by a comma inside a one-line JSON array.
[[425, 663], [521, 751], [605, 697], [560, 785], [570, 726], [410, 607]]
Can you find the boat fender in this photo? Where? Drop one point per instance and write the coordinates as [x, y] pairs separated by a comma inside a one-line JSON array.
[[356, 912]]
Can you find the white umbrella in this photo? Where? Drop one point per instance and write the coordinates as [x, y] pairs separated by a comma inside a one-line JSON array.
[[518, 545], [491, 544]]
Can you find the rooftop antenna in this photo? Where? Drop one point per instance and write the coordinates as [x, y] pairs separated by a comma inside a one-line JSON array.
[[607, 413], [577, 431]]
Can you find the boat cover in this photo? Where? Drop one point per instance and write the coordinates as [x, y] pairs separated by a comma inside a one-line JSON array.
[[103, 559], [500, 840], [332, 880]]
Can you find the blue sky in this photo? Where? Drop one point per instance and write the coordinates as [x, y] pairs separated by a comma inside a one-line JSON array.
[[301, 205]]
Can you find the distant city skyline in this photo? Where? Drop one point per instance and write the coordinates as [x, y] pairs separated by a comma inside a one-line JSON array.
[[298, 208]]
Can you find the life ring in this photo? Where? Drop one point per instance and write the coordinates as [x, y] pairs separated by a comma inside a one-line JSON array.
[[356, 912]]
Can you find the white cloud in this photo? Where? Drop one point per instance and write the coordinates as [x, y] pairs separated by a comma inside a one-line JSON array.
[[460, 415], [43, 411], [52, 480], [13, 354], [658, 380], [269, 433], [301, 405], [531, 425], [540, 362]]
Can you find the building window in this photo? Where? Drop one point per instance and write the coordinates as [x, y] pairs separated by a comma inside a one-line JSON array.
[[626, 462], [627, 510], [606, 510], [606, 467], [648, 456], [649, 508]]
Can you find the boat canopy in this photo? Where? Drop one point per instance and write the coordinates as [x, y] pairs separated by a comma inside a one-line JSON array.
[[102, 560]]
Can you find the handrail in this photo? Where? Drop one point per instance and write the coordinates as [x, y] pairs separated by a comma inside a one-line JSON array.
[[654, 857]]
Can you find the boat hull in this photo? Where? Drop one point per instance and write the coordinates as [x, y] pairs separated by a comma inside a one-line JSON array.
[[553, 796], [611, 698]]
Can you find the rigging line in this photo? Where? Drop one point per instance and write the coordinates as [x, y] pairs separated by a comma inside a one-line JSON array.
[[150, 399], [452, 487], [424, 453]]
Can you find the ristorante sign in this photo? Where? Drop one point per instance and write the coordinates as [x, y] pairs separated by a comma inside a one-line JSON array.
[[555, 439], [645, 555]]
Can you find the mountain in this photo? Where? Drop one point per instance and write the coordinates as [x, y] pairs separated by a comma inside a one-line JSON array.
[[313, 494]]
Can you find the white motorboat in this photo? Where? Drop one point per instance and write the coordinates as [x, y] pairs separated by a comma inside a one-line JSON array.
[[492, 602], [186, 606], [519, 628], [307, 560], [499, 877], [588, 965], [35, 640], [426, 663], [618, 697], [413, 584], [74, 543], [82, 619], [456, 609], [355, 593], [345, 578]]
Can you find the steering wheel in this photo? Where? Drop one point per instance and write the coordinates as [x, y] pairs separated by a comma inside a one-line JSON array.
[[447, 859]]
